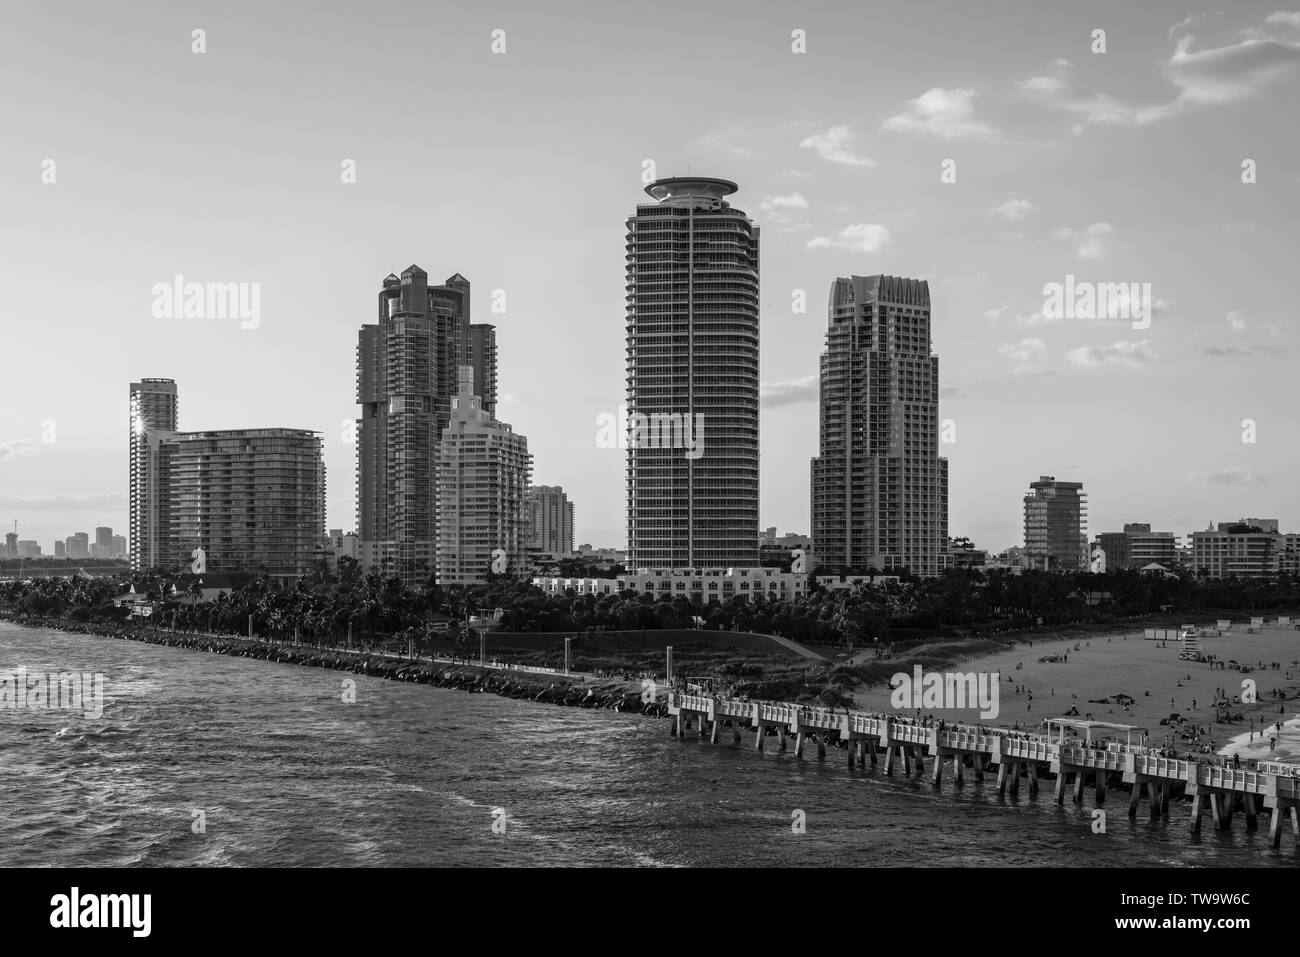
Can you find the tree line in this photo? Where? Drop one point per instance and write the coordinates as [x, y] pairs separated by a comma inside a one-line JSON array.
[[327, 605]]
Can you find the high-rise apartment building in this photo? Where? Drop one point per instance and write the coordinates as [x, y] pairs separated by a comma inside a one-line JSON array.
[[1056, 521], [11, 545], [549, 514], [1137, 547], [407, 374], [60, 549], [483, 471], [692, 379], [1246, 548], [119, 547], [252, 499], [153, 410], [103, 547], [483, 359], [879, 488]]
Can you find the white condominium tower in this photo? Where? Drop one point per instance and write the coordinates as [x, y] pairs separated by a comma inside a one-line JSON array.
[[483, 471], [879, 487], [692, 379]]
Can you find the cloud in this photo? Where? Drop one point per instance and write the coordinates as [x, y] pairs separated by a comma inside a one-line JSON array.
[[723, 140], [1122, 354], [1014, 209], [17, 449], [1209, 77], [1232, 73], [66, 503], [951, 392], [949, 114], [794, 392], [1034, 319], [772, 206], [1190, 20], [1249, 335], [860, 237], [836, 146], [1027, 354], [995, 313], [1092, 239], [1232, 475], [1285, 17]]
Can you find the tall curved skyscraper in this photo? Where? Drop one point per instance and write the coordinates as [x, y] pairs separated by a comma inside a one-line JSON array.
[[692, 379]]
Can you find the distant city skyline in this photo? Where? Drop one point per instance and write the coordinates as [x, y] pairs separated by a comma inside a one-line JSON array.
[[1071, 167]]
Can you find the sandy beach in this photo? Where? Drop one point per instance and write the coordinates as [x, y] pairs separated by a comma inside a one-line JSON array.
[[1102, 666]]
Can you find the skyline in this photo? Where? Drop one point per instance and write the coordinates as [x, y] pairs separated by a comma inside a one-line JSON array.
[[220, 189]]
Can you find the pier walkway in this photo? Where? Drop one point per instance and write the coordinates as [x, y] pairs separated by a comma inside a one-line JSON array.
[[902, 741]]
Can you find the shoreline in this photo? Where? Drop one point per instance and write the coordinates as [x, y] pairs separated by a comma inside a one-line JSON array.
[[569, 690]]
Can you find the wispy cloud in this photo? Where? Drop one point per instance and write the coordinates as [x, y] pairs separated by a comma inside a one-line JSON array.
[[1232, 475], [1190, 20], [836, 145], [1250, 338], [860, 237], [1122, 354], [949, 114], [16, 449], [1014, 209], [1208, 77], [1092, 239], [792, 392], [725, 140], [1290, 18], [1027, 356], [773, 206]]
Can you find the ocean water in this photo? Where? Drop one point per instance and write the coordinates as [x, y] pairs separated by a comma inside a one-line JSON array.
[[279, 770]]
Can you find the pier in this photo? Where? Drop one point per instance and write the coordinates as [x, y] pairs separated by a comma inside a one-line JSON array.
[[897, 741]]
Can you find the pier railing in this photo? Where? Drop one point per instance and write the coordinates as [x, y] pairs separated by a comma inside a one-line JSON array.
[[998, 743]]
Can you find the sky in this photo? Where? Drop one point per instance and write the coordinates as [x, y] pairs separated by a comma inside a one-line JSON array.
[[989, 148]]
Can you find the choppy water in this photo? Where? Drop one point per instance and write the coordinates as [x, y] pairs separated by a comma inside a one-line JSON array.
[[287, 774]]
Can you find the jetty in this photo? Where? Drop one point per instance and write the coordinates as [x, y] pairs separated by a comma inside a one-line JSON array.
[[1076, 764]]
